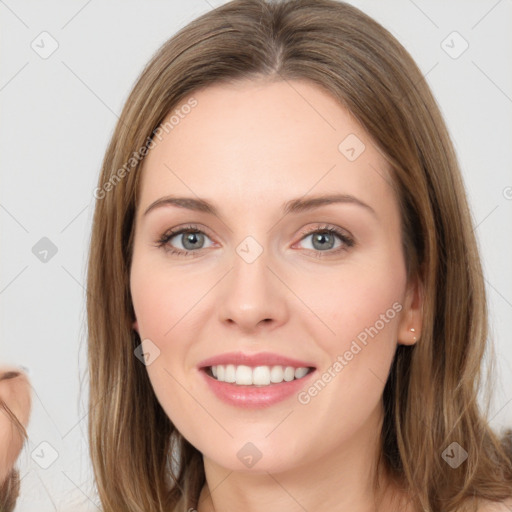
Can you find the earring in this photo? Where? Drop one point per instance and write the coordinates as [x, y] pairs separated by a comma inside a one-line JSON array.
[[412, 329]]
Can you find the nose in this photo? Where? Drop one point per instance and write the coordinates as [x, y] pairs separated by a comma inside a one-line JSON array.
[[252, 297]]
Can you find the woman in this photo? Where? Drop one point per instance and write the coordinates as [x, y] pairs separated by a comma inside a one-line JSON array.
[[15, 403], [320, 347]]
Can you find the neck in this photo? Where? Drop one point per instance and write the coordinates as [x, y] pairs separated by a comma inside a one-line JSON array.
[[339, 480]]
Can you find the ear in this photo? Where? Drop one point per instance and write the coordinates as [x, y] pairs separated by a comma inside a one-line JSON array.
[[411, 321], [135, 326]]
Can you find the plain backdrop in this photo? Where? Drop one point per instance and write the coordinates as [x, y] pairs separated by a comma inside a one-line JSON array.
[[58, 112]]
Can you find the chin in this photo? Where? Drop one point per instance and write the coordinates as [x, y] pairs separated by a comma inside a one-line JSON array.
[[252, 461]]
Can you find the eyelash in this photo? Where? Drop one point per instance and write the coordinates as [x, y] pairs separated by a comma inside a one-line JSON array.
[[163, 241]]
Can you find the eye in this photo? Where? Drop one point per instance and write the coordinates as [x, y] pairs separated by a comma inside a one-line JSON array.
[[191, 239], [323, 240]]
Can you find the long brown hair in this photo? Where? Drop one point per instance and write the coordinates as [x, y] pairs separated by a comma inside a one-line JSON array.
[[140, 461]]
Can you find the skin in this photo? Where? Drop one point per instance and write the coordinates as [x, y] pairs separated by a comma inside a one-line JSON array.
[[15, 393], [248, 148]]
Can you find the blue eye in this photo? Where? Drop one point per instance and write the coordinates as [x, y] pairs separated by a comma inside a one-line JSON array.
[[324, 239], [192, 240]]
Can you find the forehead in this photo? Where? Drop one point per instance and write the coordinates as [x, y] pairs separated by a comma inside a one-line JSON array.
[[254, 141]]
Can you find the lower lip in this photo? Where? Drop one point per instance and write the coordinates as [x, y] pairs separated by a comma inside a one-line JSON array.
[[255, 397]]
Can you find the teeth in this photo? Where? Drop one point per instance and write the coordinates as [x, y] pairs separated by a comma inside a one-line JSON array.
[[289, 373], [300, 372], [243, 375], [230, 375], [261, 376]]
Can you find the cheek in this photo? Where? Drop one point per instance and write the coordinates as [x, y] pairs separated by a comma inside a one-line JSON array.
[[161, 300], [162, 297], [361, 308], [354, 301], [168, 306]]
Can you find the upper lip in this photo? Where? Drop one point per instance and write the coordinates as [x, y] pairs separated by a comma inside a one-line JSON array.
[[258, 359]]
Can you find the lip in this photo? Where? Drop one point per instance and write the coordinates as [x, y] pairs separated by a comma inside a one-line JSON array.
[[254, 397], [259, 359]]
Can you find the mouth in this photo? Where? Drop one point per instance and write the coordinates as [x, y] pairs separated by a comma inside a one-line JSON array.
[[257, 376], [257, 380]]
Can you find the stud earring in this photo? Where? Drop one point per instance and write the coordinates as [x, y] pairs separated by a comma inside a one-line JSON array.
[[412, 329]]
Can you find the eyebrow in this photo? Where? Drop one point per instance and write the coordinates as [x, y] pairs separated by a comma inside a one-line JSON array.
[[292, 206]]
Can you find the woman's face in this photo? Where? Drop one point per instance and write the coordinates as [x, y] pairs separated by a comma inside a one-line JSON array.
[[15, 394], [264, 292]]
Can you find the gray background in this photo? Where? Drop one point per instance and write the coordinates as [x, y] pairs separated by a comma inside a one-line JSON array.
[[57, 115]]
